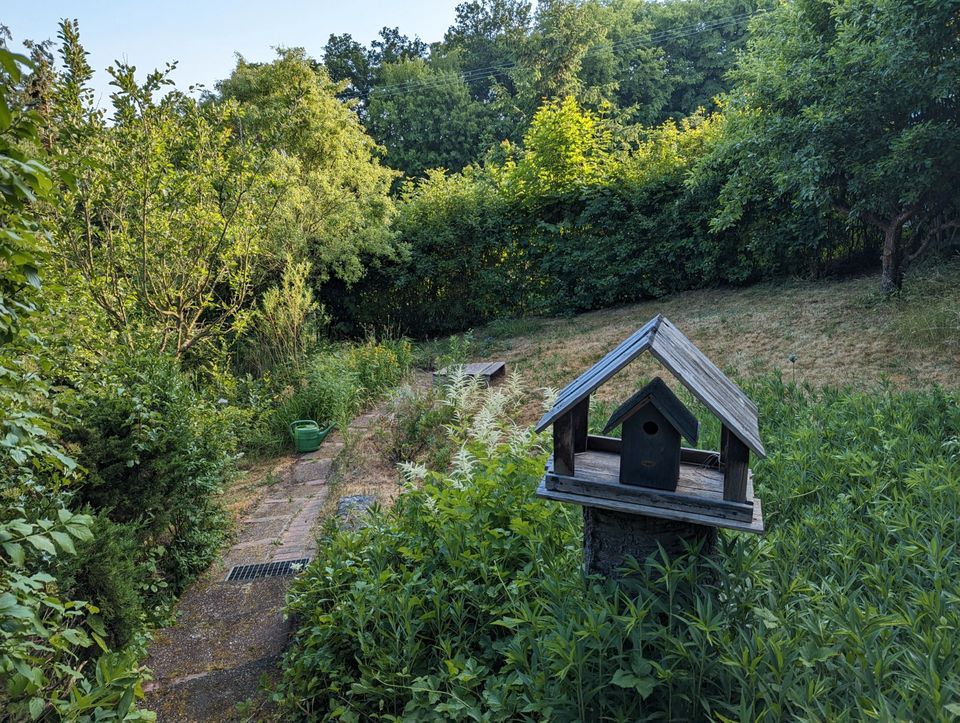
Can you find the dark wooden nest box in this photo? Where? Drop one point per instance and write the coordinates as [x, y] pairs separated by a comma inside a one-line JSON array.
[[646, 471]]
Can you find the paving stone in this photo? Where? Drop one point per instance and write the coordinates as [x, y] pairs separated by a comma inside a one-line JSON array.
[[351, 510], [326, 451], [271, 527], [309, 470]]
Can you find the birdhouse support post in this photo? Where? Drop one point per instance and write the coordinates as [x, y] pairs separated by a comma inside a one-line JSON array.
[[735, 457], [610, 537], [563, 444]]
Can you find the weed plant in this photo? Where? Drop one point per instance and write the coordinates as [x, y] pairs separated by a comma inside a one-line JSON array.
[[466, 599], [336, 386]]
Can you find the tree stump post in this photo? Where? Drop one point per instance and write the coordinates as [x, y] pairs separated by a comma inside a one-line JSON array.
[[610, 537]]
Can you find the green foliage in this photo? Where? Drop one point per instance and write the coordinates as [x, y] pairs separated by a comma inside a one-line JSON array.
[[335, 387], [334, 206], [156, 455], [44, 639], [460, 264], [47, 639], [567, 223], [867, 123], [286, 319], [466, 600], [565, 148], [112, 569], [162, 211], [417, 432]]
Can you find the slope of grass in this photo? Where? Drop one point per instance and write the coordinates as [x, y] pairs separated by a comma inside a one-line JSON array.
[[836, 332]]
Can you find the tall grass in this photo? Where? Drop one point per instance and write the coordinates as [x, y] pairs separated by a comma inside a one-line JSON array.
[[466, 600], [928, 308], [334, 387]]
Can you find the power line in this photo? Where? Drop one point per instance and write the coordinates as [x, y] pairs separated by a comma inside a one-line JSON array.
[[448, 78]]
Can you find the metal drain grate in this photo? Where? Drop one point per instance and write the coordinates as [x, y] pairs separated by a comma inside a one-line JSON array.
[[242, 573]]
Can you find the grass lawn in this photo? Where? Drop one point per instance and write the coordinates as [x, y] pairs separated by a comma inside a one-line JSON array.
[[839, 332]]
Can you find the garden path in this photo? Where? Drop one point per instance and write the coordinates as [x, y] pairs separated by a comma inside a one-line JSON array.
[[229, 635]]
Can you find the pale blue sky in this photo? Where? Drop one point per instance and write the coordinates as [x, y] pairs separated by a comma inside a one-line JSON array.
[[204, 35]]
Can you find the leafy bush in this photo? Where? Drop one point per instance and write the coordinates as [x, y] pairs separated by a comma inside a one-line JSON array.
[[156, 454], [418, 430], [466, 599], [47, 638]]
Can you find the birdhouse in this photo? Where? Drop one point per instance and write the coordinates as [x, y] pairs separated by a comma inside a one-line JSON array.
[[653, 420], [647, 471]]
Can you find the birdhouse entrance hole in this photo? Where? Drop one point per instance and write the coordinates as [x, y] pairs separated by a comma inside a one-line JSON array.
[[651, 427]]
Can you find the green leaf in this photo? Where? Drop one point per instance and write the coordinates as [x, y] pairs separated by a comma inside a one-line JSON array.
[[643, 685], [64, 540], [21, 527], [42, 543], [10, 62], [15, 551], [5, 117], [36, 707]]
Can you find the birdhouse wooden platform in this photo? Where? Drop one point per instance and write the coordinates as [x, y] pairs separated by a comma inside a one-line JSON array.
[[647, 472]]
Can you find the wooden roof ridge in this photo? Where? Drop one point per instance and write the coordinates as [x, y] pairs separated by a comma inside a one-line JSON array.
[[657, 393], [686, 362]]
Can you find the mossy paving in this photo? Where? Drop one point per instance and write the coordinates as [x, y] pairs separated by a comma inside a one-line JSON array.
[[229, 635]]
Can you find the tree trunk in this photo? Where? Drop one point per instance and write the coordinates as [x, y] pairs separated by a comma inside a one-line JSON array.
[[891, 275]]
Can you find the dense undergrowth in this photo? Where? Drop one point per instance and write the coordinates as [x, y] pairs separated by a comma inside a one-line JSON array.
[[466, 601]]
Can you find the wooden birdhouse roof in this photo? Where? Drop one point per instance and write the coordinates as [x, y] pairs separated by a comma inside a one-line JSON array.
[[661, 397], [687, 363]]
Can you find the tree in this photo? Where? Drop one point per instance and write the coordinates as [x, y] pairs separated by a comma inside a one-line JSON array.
[[164, 209], [392, 46], [347, 60], [427, 118], [336, 205], [851, 107], [489, 36], [566, 148], [699, 43], [565, 31]]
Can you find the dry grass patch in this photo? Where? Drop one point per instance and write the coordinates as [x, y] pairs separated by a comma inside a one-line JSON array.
[[837, 332]]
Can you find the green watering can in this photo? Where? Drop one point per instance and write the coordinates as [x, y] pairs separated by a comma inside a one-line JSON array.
[[307, 434]]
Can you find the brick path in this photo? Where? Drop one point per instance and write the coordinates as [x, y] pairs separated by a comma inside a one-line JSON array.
[[228, 634]]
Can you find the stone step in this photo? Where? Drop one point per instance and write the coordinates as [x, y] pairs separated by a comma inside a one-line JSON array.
[[212, 696]]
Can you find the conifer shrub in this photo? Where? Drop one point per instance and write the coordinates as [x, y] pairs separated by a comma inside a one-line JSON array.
[[156, 454]]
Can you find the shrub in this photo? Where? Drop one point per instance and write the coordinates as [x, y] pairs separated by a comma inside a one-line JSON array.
[[47, 638], [466, 601], [109, 570], [418, 429], [156, 455]]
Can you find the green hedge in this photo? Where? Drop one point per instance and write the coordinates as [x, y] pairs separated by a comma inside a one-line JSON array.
[[559, 229]]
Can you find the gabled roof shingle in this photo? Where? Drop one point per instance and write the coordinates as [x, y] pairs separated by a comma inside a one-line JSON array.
[[687, 363]]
